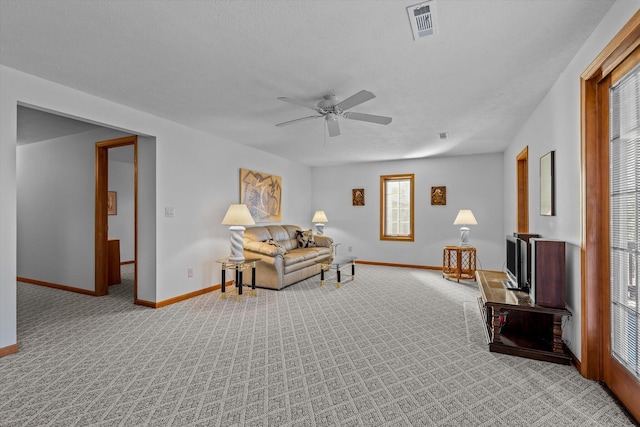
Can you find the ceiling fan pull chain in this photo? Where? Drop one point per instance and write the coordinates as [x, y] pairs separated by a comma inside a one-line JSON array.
[[324, 134]]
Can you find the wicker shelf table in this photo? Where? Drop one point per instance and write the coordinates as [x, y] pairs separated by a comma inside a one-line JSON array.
[[459, 262]]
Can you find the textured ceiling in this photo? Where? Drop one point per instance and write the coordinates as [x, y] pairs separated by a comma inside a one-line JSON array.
[[219, 66]]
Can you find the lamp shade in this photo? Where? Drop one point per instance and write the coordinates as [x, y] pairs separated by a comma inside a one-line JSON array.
[[319, 216], [465, 217], [238, 215]]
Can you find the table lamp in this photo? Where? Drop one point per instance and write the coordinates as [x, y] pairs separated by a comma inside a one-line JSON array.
[[320, 218], [465, 217], [237, 217]]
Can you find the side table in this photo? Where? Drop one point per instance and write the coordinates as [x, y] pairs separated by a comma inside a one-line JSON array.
[[338, 263], [459, 262], [239, 267]]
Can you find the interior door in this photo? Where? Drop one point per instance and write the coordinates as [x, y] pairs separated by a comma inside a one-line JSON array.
[[101, 219], [522, 186]]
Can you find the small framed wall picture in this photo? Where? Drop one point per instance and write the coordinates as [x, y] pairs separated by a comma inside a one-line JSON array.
[[112, 203], [547, 184], [357, 196], [439, 196]]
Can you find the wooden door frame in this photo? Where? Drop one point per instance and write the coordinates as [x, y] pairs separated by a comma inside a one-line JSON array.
[[522, 191], [594, 111], [101, 217]]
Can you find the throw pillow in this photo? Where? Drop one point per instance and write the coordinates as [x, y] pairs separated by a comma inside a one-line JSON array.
[[273, 243], [305, 239]]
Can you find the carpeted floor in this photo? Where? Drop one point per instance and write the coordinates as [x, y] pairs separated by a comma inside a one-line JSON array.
[[396, 347]]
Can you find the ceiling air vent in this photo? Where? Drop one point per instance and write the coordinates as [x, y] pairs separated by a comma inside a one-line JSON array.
[[423, 19]]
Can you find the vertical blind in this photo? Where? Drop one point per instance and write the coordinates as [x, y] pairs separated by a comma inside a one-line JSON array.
[[624, 198]]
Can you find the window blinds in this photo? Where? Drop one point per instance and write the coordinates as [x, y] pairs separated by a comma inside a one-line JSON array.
[[624, 152]]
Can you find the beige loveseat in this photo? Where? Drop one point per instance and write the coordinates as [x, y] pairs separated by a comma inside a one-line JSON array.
[[285, 253]]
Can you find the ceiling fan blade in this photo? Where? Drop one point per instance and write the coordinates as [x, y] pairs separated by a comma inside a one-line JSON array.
[[368, 118], [297, 120], [296, 102], [332, 125], [357, 99]]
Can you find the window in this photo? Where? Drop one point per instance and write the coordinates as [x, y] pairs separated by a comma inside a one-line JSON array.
[[624, 148], [396, 207]]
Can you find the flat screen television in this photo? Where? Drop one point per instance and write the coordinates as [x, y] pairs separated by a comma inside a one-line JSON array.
[[513, 261], [517, 267]]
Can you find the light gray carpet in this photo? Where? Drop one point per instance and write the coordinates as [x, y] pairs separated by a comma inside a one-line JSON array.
[[396, 347]]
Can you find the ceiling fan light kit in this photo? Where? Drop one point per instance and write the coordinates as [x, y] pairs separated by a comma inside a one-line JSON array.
[[330, 110]]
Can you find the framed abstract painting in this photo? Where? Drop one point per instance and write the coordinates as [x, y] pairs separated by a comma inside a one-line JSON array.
[[262, 193]]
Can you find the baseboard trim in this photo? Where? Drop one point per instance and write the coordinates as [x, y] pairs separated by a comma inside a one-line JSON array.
[[576, 362], [389, 264], [142, 302], [145, 303], [11, 349], [183, 297], [56, 286]]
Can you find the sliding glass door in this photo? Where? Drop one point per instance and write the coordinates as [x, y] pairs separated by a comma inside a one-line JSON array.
[[624, 222], [610, 156]]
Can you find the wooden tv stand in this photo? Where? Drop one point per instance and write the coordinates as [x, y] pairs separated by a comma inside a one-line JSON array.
[[516, 326]]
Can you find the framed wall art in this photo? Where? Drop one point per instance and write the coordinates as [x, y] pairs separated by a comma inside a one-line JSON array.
[[547, 184], [262, 193], [112, 203], [439, 196], [357, 196]]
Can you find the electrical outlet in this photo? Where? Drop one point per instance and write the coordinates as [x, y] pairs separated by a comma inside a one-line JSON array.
[[189, 272], [169, 211], [349, 249]]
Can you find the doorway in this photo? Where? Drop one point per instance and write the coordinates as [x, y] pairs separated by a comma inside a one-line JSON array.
[[598, 362], [522, 186], [102, 213]]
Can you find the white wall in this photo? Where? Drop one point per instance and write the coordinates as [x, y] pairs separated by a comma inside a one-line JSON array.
[[146, 260], [56, 209], [555, 125], [122, 224], [8, 213], [473, 182], [196, 173]]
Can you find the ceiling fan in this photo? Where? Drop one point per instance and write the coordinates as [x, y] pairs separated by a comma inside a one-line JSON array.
[[330, 109]]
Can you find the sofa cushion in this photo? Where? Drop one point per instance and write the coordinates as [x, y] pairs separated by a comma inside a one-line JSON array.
[[285, 235], [273, 243], [306, 254], [291, 241], [277, 232], [264, 248], [305, 239], [257, 234]]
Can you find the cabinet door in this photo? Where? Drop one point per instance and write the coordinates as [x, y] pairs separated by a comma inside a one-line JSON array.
[[548, 273]]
